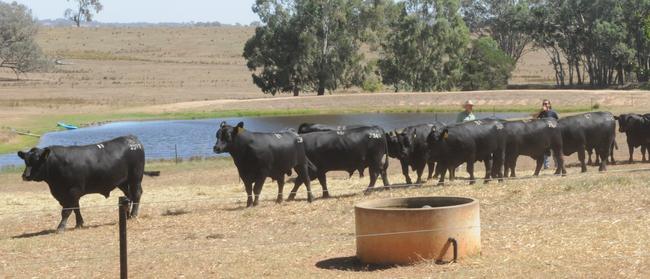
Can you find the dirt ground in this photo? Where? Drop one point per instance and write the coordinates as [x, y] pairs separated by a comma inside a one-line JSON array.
[[194, 223]]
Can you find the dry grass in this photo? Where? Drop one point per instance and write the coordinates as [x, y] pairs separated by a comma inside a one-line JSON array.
[[193, 223]]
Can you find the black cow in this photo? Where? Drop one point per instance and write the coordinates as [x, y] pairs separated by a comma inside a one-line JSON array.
[[346, 150], [533, 138], [479, 140], [637, 129], [409, 146], [74, 171], [305, 128], [261, 155], [594, 130]]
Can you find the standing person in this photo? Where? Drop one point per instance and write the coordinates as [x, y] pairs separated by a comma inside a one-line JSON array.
[[547, 112], [467, 114]]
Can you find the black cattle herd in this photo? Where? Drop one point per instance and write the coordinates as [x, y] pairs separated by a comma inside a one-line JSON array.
[[316, 149]]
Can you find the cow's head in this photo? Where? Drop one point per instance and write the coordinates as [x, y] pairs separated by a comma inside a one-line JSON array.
[[625, 122], [394, 145], [437, 137], [35, 164], [225, 136]]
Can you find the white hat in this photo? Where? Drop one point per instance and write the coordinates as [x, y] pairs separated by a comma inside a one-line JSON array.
[[468, 103]]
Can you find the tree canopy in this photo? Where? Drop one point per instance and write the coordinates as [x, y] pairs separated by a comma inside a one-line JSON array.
[[18, 49], [306, 45]]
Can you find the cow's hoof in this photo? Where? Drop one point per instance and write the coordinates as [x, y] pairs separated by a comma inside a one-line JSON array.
[[291, 198], [278, 200], [59, 230], [310, 198], [440, 184], [79, 226], [367, 192], [326, 195]]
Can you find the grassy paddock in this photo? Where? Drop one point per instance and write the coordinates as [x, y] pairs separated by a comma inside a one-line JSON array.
[[193, 223]]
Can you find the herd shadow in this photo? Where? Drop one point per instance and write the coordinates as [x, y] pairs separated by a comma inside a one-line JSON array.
[[50, 231], [351, 263]]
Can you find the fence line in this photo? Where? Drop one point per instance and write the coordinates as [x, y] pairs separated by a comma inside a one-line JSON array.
[[339, 238], [377, 188]]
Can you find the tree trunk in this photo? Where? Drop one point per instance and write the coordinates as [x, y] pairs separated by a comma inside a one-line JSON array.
[[296, 91], [321, 90]]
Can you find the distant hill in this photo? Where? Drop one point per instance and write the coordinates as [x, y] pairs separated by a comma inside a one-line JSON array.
[[61, 22]]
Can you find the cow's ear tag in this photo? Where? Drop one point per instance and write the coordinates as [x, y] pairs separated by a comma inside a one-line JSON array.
[[240, 129], [446, 135]]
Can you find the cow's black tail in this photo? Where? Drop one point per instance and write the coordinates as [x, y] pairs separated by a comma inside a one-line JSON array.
[[152, 173], [312, 170]]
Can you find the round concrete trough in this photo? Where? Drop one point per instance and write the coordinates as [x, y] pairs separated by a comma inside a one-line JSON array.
[[408, 230]]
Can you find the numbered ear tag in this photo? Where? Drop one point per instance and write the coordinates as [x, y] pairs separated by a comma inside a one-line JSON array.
[[240, 129], [446, 136]]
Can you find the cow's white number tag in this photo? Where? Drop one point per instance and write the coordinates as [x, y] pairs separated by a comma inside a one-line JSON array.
[[588, 116], [340, 132], [100, 146], [299, 139], [551, 124], [374, 135], [135, 146], [279, 136], [478, 122], [499, 126]]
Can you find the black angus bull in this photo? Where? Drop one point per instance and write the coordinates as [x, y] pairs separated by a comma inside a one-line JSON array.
[[261, 155], [409, 146], [305, 128], [74, 171], [479, 140], [533, 138], [595, 130], [346, 150], [637, 130]]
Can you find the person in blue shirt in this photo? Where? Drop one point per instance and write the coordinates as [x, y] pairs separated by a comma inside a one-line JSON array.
[[547, 112]]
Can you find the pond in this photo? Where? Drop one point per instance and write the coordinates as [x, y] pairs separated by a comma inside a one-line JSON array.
[[184, 139]]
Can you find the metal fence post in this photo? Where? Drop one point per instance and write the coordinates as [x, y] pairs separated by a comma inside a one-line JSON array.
[[176, 153], [123, 212]]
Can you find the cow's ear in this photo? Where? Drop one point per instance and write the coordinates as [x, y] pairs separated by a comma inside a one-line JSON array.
[[444, 135], [223, 123], [21, 155], [240, 127], [46, 153]]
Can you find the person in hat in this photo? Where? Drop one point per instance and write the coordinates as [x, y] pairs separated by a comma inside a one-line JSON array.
[[467, 114], [547, 112]]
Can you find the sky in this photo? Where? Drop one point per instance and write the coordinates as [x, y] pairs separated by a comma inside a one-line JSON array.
[[153, 11]]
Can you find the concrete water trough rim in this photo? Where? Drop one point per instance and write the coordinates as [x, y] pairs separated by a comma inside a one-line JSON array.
[[385, 204]]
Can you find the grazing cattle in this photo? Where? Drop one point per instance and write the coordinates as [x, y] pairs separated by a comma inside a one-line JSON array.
[[74, 171], [637, 130], [261, 155], [533, 138], [409, 146], [346, 150], [479, 140], [594, 130]]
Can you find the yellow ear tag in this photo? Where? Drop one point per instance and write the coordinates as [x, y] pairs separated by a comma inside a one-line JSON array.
[[240, 129], [446, 135]]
